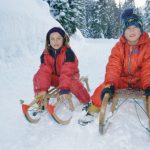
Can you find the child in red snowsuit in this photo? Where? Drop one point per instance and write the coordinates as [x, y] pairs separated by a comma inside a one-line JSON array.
[[129, 62], [59, 68]]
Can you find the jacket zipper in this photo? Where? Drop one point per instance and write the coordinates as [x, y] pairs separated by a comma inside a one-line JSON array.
[[129, 66], [55, 56]]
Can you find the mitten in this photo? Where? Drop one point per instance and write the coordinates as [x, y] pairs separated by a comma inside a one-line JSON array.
[[61, 92], [110, 90], [147, 91]]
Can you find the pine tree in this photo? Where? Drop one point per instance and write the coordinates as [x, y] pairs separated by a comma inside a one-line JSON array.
[[78, 7], [128, 4], [118, 14], [98, 23], [103, 17], [147, 16], [48, 1], [88, 17], [113, 22], [63, 13]]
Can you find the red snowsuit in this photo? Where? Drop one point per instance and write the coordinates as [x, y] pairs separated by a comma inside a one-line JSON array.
[[128, 66], [59, 68]]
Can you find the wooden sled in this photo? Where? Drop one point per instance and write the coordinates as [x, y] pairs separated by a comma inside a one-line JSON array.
[[125, 94], [51, 108], [38, 106]]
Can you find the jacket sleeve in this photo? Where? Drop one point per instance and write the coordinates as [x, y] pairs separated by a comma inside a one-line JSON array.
[[145, 71], [114, 66], [68, 70], [42, 80]]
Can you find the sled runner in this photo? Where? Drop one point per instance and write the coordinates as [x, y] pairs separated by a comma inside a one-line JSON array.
[[120, 94], [60, 110]]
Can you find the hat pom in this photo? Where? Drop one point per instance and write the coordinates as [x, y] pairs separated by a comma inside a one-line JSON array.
[[127, 13]]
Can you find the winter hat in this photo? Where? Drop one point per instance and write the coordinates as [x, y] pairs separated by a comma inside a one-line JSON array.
[[56, 29], [128, 18]]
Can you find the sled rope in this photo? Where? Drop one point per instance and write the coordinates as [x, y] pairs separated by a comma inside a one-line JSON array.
[[135, 104]]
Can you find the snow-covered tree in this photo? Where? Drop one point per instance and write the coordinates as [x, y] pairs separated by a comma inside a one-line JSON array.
[[106, 20], [113, 22], [78, 8], [64, 14], [147, 16], [98, 24], [48, 1], [118, 14], [128, 4], [89, 6], [94, 18]]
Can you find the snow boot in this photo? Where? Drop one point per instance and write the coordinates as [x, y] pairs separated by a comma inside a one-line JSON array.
[[92, 111]]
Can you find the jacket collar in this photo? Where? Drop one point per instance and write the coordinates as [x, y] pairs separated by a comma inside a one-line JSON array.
[[54, 52]]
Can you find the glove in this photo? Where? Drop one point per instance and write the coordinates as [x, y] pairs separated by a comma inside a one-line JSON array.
[[40, 95], [61, 92], [110, 90], [147, 91]]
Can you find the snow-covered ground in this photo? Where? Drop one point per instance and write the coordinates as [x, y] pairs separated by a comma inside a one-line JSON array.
[[23, 27]]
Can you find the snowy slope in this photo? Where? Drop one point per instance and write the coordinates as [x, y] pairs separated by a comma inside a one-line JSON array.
[[23, 26]]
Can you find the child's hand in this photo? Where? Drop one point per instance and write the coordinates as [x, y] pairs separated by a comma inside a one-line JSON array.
[[40, 95]]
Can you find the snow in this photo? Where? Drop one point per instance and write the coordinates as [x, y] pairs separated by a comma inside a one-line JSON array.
[[23, 27]]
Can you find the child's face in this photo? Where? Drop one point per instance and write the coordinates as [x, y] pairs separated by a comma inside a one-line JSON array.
[[132, 34], [56, 40]]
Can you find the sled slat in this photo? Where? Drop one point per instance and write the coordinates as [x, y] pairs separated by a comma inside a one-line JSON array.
[[102, 113], [148, 109]]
